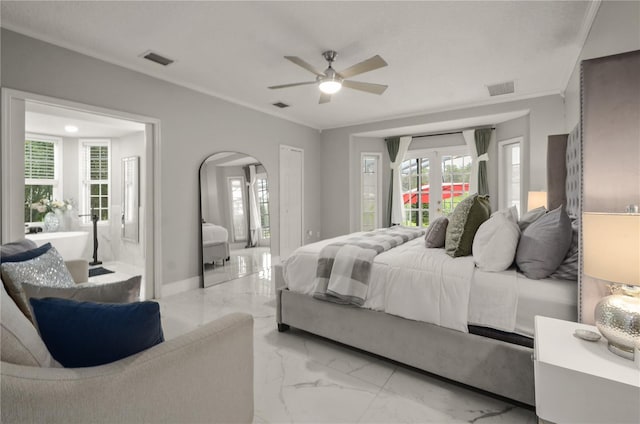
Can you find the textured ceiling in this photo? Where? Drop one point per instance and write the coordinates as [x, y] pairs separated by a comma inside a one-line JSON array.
[[441, 55]]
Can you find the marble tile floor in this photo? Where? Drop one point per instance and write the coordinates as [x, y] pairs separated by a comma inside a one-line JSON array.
[[301, 378], [242, 262]]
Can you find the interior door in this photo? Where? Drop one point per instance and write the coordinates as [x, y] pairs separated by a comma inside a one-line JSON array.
[[291, 199]]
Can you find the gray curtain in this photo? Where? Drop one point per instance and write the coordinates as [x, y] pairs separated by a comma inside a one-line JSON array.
[[393, 145], [247, 176], [483, 137]]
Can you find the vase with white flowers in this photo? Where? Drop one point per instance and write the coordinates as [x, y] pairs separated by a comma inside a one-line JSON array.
[[55, 213]]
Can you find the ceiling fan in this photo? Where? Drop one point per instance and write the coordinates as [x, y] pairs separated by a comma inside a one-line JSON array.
[[330, 82]]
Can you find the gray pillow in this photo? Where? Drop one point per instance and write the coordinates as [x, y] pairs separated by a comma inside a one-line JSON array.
[[125, 291], [544, 244], [464, 221], [436, 232], [530, 217], [568, 269], [47, 269]]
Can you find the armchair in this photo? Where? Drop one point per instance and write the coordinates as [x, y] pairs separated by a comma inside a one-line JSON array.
[[202, 376]]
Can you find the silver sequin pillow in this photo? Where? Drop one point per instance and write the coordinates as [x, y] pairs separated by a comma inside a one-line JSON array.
[[47, 269]]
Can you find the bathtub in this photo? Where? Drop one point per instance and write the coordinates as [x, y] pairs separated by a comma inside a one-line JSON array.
[[70, 244]]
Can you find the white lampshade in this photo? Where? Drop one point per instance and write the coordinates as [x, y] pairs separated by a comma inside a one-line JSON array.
[[612, 246], [536, 199]]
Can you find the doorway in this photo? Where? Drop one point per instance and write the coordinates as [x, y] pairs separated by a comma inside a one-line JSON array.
[[433, 183], [89, 177]]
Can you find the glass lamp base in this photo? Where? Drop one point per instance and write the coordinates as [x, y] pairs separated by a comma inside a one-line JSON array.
[[618, 319]]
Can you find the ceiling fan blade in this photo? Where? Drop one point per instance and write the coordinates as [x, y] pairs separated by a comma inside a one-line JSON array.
[[365, 86], [324, 98], [370, 64], [295, 84], [305, 65]]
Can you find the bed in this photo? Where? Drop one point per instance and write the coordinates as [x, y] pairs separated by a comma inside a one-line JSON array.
[[215, 243], [486, 342]]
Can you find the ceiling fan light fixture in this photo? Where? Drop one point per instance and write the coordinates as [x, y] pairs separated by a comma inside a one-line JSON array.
[[330, 86]]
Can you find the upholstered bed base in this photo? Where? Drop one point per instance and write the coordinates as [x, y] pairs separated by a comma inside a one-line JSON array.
[[215, 250], [498, 367]]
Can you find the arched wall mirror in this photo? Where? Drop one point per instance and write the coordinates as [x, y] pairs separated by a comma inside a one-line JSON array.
[[234, 215]]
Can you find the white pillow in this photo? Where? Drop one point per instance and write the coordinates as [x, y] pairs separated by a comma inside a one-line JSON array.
[[496, 242], [511, 213], [20, 343]]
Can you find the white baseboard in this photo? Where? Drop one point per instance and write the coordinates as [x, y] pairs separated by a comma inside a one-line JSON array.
[[180, 286]]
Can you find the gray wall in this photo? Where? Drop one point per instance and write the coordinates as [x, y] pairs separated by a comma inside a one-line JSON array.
[[545, 117], [616, 29], [193, 126]]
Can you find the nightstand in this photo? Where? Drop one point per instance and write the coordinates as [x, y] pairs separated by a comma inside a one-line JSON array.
[[577, 381]]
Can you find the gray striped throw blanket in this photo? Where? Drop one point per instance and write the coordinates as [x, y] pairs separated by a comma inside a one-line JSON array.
[[344, 268]]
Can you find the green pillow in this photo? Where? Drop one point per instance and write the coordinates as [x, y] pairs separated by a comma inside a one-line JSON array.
[[463, 224]]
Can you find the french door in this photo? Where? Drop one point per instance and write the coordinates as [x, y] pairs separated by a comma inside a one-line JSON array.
[[433, 183]]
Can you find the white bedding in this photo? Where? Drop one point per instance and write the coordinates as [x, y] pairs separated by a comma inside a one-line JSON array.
[[212, 233], [423, 284]]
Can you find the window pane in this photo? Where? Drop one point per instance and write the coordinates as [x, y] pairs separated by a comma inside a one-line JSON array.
[[104, 215], [104, 202], [39, 159], [95, 202], [33, 194]]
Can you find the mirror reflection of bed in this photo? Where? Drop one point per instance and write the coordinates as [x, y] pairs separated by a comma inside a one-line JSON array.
[[234, 211]]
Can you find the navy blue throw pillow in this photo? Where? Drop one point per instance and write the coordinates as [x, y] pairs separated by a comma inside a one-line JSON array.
[[86, 334], [28, 255]]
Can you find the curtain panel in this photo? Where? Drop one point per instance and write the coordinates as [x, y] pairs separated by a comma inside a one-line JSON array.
[[247, 216], [470, 140], [253, 216], [482, 139], [397, 148]]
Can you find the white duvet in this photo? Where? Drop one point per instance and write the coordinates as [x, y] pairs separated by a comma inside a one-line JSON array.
[[422, 284]]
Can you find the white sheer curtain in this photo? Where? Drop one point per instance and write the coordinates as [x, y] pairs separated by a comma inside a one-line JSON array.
[[254, 225], [469, 138], [397, 213]]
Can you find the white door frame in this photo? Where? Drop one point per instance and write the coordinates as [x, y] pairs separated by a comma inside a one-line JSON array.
[[11, 208], [297, 149]]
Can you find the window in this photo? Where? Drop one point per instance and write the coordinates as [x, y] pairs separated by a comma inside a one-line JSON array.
[[415, 192], [510, 173], [41, 173], [456, 172], [371, 183], [424, 198], [236, 197], [263, 205], [95, 170]]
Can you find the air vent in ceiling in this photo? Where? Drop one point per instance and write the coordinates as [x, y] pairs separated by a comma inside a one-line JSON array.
[[501, 88], [280, 105], [159, 59]]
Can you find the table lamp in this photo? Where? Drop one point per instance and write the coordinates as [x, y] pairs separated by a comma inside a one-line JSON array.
[[612, 253], [535, 199]]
